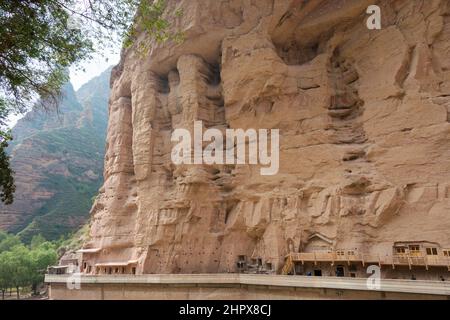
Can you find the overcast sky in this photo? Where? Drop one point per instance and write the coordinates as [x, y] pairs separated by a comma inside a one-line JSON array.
[[92, 68]]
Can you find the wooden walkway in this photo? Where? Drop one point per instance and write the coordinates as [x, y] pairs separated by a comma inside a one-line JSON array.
[[393, 261]]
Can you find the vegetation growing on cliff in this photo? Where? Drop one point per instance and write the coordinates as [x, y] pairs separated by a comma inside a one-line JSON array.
[[62, 157], [151, 21]]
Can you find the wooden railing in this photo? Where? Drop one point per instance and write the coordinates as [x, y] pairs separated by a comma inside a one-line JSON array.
[[406, 260]]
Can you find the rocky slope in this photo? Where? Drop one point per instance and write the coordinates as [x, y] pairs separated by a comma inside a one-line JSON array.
[[58, 163], [363, 118]]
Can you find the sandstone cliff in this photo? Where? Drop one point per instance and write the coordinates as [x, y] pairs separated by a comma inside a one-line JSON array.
[[364, 123], [58, 163]]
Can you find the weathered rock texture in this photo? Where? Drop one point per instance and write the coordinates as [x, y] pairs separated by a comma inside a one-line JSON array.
[[363, 118]]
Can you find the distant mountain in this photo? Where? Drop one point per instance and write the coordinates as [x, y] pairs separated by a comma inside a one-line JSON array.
[[58, 163]]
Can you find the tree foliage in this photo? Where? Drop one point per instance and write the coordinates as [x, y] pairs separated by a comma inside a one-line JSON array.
[[7, 242], [7, 186], [41, 39], [24, 266], [36, 47]]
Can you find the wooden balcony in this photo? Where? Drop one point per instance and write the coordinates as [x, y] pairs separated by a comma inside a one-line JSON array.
[[396, 260]]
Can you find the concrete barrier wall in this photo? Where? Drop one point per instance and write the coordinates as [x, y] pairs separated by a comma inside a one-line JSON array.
[[238, 287]]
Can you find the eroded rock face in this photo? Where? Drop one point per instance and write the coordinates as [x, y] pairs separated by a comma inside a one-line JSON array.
[[364, 134]]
